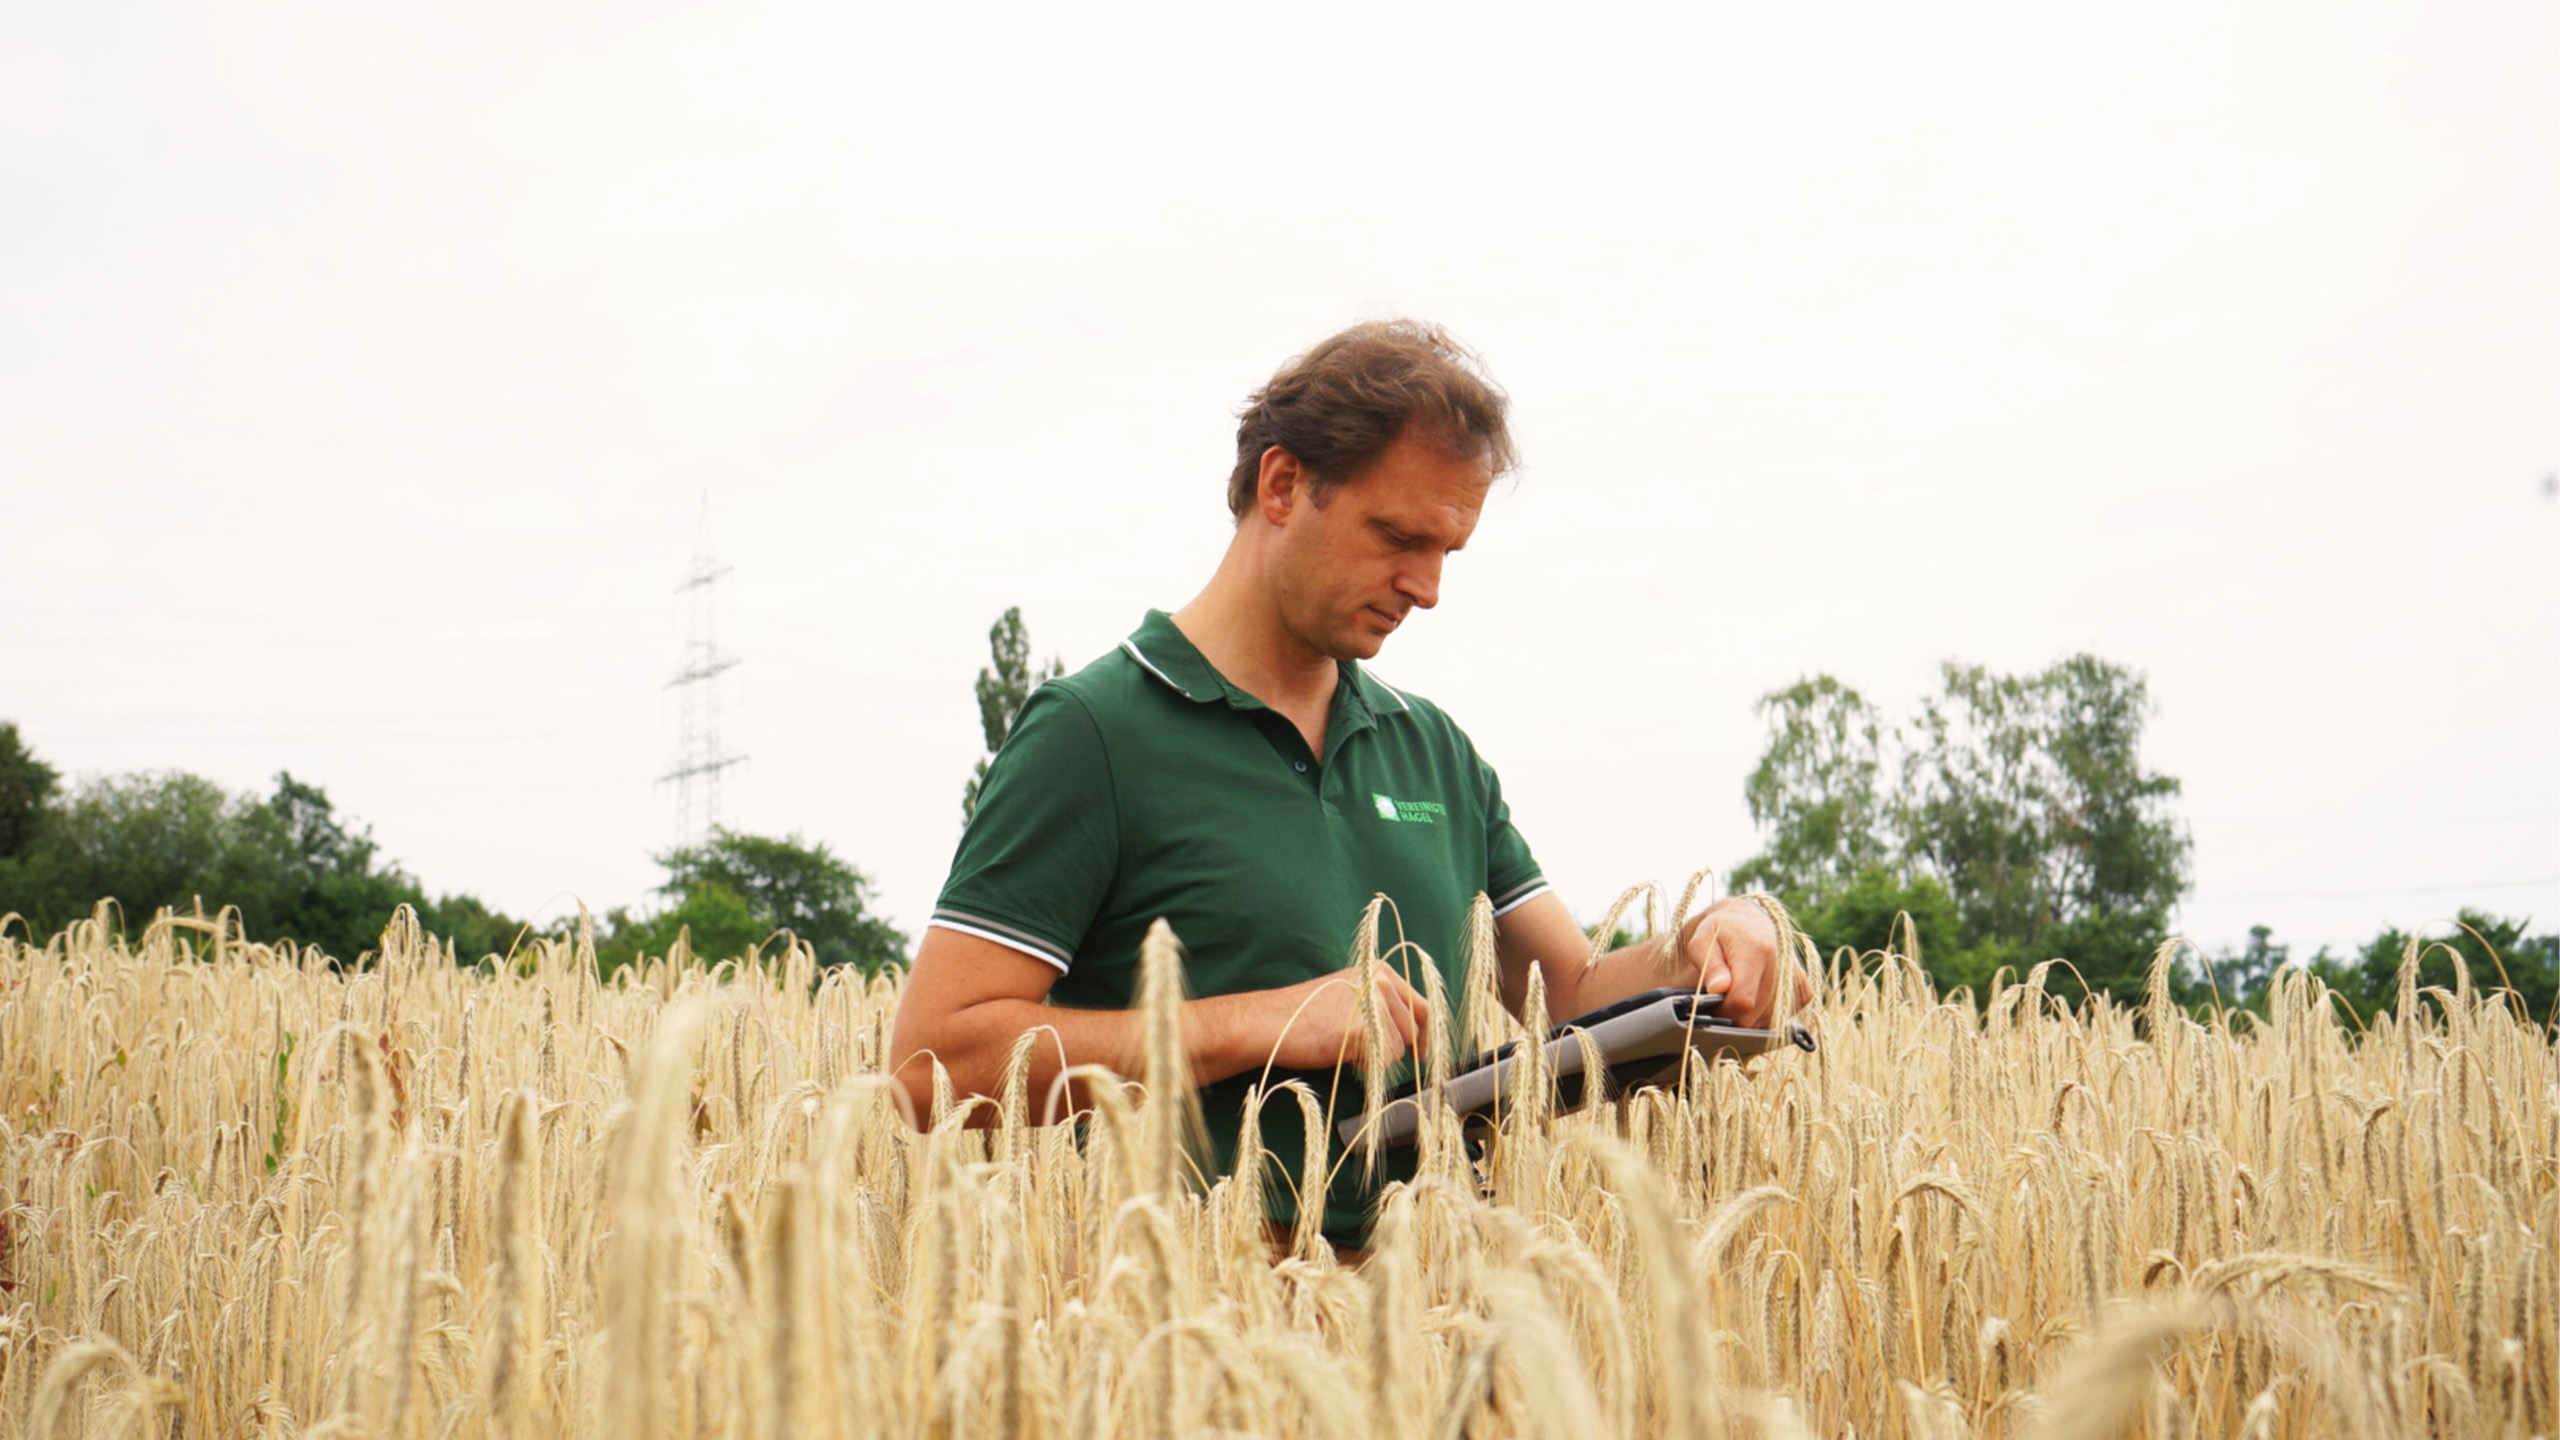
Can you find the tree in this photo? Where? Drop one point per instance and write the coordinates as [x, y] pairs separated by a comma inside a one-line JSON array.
[[1867, 914], [1002, 687], [1814, 791], [2241, 980], [2495, 949], [716, 923], [291, 865], [27, 786], [332, 893], [147, 840], [475, 930], [2023, 797], [2028, 796], [735, 890]]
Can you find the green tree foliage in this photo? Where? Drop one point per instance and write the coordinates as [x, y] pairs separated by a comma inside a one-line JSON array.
[[1868, 914], [27, 786], [1815, 791], [475, 930], [332, 892], [1007, 681], [2011, 817], [2496, 950], [295, 869], [714, 921], [736, 890], [2027, 794], [2240, 980], [147, 840]]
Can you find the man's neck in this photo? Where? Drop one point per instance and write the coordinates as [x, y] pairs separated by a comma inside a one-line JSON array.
[[1238, 631]]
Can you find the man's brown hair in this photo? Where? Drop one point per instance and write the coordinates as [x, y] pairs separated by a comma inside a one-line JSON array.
[[1339, 406]]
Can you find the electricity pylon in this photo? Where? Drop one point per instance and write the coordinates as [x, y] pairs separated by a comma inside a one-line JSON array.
[[699, 756]]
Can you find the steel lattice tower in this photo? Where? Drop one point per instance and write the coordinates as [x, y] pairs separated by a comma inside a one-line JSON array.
[[699, 756]]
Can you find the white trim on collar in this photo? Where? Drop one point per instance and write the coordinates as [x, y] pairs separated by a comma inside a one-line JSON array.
[[1141, 657]]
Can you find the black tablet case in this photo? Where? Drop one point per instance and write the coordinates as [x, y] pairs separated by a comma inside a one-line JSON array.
[[1642, 1040]]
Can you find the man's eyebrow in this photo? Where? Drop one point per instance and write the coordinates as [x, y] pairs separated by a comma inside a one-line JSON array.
[[1410, 535]]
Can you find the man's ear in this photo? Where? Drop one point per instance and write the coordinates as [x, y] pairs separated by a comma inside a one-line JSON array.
[[1282, 486]]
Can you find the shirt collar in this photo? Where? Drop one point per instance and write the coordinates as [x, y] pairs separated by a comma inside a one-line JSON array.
[[1163, 651]]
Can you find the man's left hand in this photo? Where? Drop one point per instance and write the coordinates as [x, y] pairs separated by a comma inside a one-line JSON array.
[[1734, 945]]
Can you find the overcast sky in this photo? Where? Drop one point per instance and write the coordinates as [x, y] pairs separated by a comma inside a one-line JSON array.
[[363, 371]]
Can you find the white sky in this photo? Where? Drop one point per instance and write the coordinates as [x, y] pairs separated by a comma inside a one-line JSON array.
[[362, 369]]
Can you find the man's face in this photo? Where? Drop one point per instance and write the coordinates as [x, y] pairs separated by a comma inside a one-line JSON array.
[[1347, 571]]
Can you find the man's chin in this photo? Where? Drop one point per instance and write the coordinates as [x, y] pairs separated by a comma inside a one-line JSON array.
[[1359, 643], [1358, 638]]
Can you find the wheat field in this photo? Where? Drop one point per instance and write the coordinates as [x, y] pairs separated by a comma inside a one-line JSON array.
[[244, 1192]]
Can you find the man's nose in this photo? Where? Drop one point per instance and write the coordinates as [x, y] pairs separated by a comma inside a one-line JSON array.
[[1419, 581]]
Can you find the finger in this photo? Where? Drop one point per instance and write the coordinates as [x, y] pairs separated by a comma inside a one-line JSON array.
[[1392, 983], [1715, 970], [1392, 1041], [1421, 1013], [1744, 983], [1382, 988], [1395, 1002], [1400, 1009]]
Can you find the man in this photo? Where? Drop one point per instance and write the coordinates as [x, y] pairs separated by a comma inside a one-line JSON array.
[[1236, 770]]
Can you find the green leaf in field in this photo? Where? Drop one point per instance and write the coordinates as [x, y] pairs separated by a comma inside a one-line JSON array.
[[284, 1104]]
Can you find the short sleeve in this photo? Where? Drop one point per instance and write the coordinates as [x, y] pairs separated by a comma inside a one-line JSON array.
[[1512, 875], [1037, 859]]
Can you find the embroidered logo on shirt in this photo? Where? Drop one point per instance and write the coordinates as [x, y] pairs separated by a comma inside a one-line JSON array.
[[1409, 812]]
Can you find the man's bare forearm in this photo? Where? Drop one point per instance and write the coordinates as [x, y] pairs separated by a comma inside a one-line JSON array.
[[973, 1043], [1630, 970], [1543, 934]]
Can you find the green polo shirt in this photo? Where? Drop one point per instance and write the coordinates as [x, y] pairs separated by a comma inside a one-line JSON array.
[[1146, 785]]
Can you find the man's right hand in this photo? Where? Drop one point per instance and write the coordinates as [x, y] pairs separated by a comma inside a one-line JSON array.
[[968, 999], [1315, 1024]]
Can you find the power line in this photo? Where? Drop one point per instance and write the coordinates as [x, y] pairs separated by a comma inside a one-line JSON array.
[[2369, 891]]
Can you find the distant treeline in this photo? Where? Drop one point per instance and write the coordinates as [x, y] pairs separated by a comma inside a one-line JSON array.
[[2012, 819], [296, 870]]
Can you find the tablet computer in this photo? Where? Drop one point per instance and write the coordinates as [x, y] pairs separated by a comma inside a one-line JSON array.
[[1643, 1040]]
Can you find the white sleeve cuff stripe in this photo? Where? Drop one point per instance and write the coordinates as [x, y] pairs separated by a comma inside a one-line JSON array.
[[1541, 888], [1007, 941], [1014, 933]]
